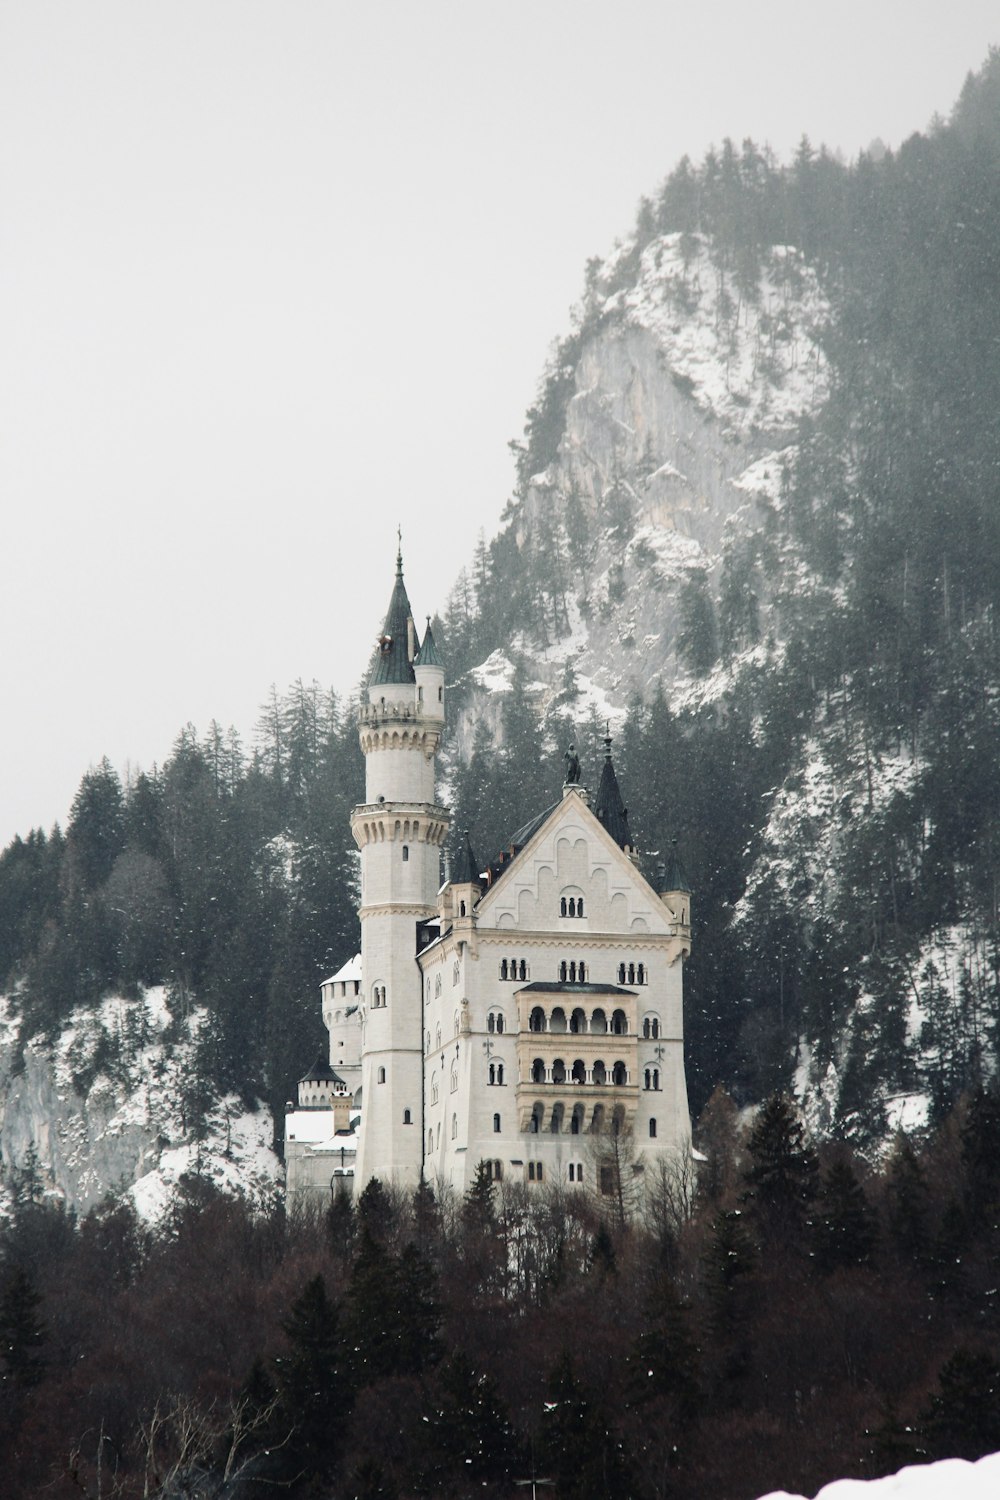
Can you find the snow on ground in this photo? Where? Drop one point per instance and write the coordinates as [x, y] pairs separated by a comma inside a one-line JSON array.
[[750, 362], [950, 1479], [103, 1108]]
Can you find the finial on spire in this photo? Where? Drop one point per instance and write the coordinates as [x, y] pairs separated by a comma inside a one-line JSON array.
[[399, 551], [607, 739]]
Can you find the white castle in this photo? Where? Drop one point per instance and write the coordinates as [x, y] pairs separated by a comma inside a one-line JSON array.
[[526, 1015]]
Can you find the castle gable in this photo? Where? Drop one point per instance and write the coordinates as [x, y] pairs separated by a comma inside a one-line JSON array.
[[571, 870]]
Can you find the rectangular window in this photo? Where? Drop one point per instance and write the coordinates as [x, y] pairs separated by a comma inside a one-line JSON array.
[[607, 1181], [534, 1171]]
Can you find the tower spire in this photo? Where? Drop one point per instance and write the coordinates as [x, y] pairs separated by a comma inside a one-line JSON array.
[[609, 808]]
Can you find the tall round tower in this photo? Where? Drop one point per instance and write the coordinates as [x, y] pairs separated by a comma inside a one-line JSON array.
[[399, 829]]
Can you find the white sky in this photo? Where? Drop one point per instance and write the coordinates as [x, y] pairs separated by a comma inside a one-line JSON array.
[[275, 276]]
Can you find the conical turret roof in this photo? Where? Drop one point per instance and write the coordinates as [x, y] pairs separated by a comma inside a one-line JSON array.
[[321, 1072], [466, 871], [674, 878], [428, 656], [392, 658], [609, 808]]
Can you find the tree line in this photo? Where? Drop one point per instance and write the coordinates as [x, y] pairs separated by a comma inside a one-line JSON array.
[[788, 1315]]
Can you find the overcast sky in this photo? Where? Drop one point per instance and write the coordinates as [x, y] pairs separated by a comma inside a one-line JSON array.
[[275, 277]]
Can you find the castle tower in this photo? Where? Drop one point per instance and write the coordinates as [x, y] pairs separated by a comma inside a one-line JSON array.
[[399, 830]]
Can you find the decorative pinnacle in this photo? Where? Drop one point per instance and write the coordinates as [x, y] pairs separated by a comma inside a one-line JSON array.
[[607, 739], [399, 551]]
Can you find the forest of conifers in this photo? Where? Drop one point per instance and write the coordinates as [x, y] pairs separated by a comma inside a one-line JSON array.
[[790, 1320]]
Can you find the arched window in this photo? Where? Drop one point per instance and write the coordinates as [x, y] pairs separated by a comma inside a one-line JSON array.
[[437, 1038], [499, 1072], [621, 973], [491, 1022], [640, 973], [619, 1075], [537, 1071], [440, 694], [562, 906], [503, 968], [557, 1019], [599, 1072], [579, 906], [572, 971], [536, 1119], [534, 1171], [576, 1120], [647, 1079], [562, 972], [437, 983], [499, 1021], [522, 970], [652, 1130], [439, 1133], [461, 909], [381, 1075], [456, 972], [631, 973], [427, 1042], [454, 1024], [578, 1021], [579, 1071], [599, 1022], [493, 1073], [619, 1023], [454, 1126], [536, 1021], [656, 1078], [406, 1117], [496, 1124], [581, 969], [654, 1030], [453, 1085], [558, 1071], [406, 853], [434, 1088], [645, 1027]]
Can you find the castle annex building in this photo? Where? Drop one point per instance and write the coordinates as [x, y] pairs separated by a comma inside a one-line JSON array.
[[524, 1014]]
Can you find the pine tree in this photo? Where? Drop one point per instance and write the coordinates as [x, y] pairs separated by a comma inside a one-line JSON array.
[[780, 1178], [311, 1379], [843, 1223]]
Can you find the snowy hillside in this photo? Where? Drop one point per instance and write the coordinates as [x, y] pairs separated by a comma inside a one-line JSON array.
[[951, 1479], [109, 1106]]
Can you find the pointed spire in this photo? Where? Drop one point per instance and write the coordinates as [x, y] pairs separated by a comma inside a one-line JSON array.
[[392, 656], [466, 871], [674, 878], [427, 656], [609, 808]]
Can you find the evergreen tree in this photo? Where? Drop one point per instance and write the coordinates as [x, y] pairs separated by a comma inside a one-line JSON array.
[[843, 1224], [311, 1379], [22, 1333], [780, 1178]]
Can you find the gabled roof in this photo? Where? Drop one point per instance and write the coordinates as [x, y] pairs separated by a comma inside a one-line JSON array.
[[392, 657], [609, 808], [428, 656]]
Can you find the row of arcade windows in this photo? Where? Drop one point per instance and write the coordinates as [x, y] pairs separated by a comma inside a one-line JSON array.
[[571, 906], [651, 1027], [578, 1023], [578, 1074], [496, 1073], [494, 1021], [633, 974], [513, 968], [651, 1078], [572, 972]]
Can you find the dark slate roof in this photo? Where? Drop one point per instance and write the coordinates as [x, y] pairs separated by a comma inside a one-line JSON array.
[[552, 986], [516, 844], [392, 659], [321, 1072], [466, 871], [674, 878], [609, 808], [428, 656]]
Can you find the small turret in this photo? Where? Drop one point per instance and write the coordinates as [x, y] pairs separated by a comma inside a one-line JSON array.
[[675, 893], [429, 673], [466, 882]]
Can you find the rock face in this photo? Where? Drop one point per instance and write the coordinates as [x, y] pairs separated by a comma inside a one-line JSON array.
[[686, 393], [103, 1109]]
